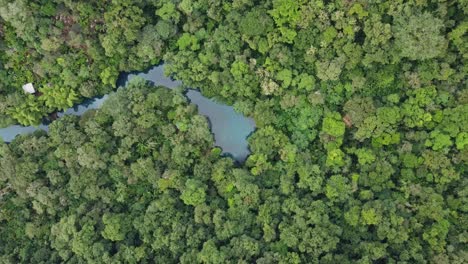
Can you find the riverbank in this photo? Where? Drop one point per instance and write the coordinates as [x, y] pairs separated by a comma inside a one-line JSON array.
[[230, 129]]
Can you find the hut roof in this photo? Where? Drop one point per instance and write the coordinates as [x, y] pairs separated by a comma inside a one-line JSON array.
[[29, 88]]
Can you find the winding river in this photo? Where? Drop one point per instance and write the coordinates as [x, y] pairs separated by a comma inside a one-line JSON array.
[[230, 128]]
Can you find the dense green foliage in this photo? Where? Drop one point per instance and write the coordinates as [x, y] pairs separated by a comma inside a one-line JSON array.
[[360, 153]]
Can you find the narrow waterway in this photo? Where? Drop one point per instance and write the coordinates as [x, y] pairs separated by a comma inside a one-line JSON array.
[[230, 128]]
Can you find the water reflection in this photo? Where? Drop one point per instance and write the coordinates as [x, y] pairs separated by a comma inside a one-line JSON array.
[[230, 128]]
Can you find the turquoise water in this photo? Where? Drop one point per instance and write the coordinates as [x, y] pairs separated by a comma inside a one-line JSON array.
[[230, 128]]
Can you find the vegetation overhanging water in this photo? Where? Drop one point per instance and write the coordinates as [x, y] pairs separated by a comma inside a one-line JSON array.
[[230, 128]]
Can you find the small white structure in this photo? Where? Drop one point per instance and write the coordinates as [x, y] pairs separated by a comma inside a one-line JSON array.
[[29, 88]]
